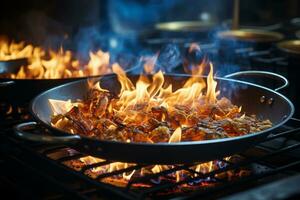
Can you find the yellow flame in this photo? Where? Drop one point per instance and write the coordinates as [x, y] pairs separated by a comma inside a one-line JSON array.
[[211, 86], [99, 63], [60, 106], [176, 136], [147, 93], [51, 64], [13, 50]]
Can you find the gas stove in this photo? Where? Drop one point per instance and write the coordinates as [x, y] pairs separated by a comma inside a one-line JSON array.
[[39, 171]]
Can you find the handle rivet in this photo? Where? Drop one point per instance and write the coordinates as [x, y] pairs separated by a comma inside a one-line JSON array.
[[262, 99], [270, 101]]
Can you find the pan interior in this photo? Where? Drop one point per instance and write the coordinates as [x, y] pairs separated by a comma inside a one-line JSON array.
[[246, 95]]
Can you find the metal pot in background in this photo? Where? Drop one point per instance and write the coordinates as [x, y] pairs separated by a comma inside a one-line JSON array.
[[255, 38], [290, 48], [179, 32], [12, 66], [185, 26], [240, 42]]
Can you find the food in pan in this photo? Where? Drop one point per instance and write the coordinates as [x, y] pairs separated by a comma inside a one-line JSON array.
[[152, 112]]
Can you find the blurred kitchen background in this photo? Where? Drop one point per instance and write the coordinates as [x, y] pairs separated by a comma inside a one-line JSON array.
[[58, 22]]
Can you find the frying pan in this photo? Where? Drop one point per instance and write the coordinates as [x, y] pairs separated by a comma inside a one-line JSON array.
[[18, 92], [12, 66], [255, 99]]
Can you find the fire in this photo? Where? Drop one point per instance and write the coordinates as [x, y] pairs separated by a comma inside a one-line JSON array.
[[211, 94], [50, 64], [122, 179], [146, 93], [115, 166], [99, 63], [176, 136], [191, 112], [62, 64], [12, 50]]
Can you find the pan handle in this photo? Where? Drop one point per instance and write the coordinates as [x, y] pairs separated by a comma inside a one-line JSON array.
[[20, 131], [264, 74], [6, 83]]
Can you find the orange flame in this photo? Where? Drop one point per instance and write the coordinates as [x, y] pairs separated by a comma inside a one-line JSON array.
[[43, 64], [147, 93], [176, 136], [13, 50]]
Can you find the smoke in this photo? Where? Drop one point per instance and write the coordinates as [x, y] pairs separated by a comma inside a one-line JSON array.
[[169, 58]]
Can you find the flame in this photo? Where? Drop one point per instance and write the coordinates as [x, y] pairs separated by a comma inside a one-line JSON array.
[[176, 136], [89, 160], [50, 64], [112, 167], [137, 99], [99, 63], [211, 86], [61, 64], [60, 106], [12, 50], [147, 93]]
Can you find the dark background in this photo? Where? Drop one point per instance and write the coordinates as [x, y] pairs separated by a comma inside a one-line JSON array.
[[52, 22]]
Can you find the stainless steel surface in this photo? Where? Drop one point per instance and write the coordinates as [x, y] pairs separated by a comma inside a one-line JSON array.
[[20, 131], [264, 74]]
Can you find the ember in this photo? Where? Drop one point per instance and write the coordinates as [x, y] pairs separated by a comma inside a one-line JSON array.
[[150, 112]]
